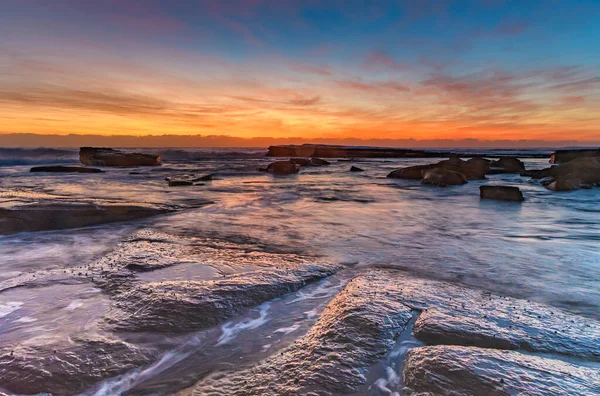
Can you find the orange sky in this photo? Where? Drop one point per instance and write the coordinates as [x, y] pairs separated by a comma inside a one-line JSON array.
[[123, 79]]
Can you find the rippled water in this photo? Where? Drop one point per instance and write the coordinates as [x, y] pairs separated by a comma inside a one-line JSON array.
[[545, 249]]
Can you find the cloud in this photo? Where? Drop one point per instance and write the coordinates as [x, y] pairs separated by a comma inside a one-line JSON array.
[[373, 87], [381, 61]]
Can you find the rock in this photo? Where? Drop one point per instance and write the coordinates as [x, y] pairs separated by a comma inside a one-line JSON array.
[[502, 193], [33, 211], [354, 331], [182, 306], [538, 173], [177, 183], [507, 165], [448, 370], [314, 161], [204, 178], [96, 156], [571, 175], [283, 168], [563, 156], [43, 366], [473, 170], [411, 172], [565, 184], [65, 169], [356, 169], [300, 161], [442, 177]]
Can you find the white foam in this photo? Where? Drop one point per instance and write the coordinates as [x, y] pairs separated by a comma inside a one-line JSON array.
[[230, 330], [73, 305], [26, 319], [288, 330], [9, 307], [125, 382]]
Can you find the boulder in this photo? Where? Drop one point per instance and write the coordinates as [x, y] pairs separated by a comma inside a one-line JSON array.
[[65, 169], [507, 165], [314, 161], [100, 156], [451, 370], [356, 169], [473, 170], [411, 172], [572, 175], [442, 177], [563, 156], [283, 168], [501, 193]]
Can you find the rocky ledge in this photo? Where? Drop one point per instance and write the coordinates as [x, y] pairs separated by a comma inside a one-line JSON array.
[[447, 370], [22, 210], [360, 325], [43, 365], [182, 306], [101, 156]]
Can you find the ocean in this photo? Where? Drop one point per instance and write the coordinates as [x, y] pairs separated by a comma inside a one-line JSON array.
[[545, 249]]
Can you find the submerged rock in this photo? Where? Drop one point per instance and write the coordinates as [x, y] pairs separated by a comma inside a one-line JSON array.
[[447, 370], [443, 177], [356, 169], [182, 306], [563, 156], [356, 329], [100, 156], [65, 169], [501, 193], [178, 183], [41, 366], [208, 177]]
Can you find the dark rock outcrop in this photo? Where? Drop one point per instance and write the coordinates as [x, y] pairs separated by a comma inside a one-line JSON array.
[[447, 370], [283, 168], [507, 165], [442, 177], [65, 169], [501, 193], [356, 169], [572, 175], [356, 329], [563, 156], [99, 156], [68, 367], [182, 306]]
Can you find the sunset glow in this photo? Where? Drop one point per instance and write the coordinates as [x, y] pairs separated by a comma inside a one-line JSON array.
[[423, 70]]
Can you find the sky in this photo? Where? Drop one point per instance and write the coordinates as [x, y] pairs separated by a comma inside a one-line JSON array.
[[414, 69]]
